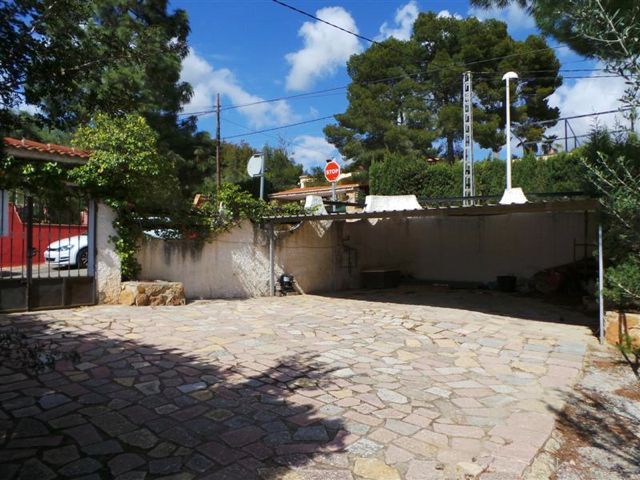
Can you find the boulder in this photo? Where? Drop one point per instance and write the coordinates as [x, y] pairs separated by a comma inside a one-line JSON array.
[[153, 293]]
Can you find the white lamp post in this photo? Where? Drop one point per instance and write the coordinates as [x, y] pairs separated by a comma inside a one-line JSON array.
[[511, 195]]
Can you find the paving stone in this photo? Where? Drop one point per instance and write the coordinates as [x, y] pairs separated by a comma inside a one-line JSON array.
[[113, 424], [199, 463], [164, 466], [84, 434], [364, 448], [149, 388], [142, 438], [83, 466], [425, 470], [387, 376], [192, 387], [29, 427], [107, 447], [311, 434], [372, 468], [55, 400], [242, 436], [220, 453], [124, 462], [34, 469], [390, 396], [60, 456], [400, 427]]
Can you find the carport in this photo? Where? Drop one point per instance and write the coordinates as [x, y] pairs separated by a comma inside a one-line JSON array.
[[457, 245]]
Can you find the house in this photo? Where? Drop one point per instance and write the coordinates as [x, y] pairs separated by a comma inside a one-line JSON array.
[[346, 191]]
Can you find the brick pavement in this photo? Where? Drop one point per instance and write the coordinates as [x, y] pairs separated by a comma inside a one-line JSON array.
[[387, 385]]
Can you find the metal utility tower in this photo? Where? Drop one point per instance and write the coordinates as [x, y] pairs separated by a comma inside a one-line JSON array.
[[467, 156]]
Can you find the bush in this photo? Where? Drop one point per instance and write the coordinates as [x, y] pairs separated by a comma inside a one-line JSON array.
[[398, 175]]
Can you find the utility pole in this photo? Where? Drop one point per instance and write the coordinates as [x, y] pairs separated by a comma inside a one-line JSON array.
[[218, 176], [467, 155]]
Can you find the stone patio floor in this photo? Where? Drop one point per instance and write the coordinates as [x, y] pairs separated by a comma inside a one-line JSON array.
[[402, 384]]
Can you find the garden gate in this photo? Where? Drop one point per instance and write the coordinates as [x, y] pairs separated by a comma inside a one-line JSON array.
[[47, 251]]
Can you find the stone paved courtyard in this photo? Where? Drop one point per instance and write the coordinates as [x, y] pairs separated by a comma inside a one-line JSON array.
[[382, 385]]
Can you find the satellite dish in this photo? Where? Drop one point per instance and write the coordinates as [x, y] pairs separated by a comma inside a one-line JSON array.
[[255, 166]]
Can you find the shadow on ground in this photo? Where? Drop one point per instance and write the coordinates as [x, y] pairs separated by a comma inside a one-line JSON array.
[[600, 427], [527, 307], [123, 408]]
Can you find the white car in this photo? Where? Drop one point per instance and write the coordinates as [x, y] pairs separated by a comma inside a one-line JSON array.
[[72, 251]]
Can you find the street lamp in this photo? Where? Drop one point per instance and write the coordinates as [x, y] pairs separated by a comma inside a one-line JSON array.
[[511, 195]]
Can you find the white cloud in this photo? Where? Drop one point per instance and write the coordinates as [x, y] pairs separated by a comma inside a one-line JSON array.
[[207, 82], [448, 14], [402, 23], [514, 16], [312, 151], [325, 48], [585, 96]]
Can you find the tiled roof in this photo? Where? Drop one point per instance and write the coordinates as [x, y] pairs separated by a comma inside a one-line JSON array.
[[49, 148], [315, 189]]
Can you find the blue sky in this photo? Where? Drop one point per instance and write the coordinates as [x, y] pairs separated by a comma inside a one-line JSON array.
[[250, 50]]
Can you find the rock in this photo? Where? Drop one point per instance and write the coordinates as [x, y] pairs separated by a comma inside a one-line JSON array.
[[622, 323], [127, 297], [375, 469], [153, 293], [142, 299]]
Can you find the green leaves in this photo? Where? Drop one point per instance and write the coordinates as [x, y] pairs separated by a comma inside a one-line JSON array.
[[406, 95]]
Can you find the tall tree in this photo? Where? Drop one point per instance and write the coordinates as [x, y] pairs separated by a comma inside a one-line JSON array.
[[387, 111], [608, 30], [431, 64]]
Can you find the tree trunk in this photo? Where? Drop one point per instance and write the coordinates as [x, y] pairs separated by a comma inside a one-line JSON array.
[[450, 147]]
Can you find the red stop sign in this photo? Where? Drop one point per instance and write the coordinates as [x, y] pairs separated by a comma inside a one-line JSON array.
[[332, 171]]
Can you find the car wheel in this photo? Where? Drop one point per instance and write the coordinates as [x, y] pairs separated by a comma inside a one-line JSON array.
[[82, 260]]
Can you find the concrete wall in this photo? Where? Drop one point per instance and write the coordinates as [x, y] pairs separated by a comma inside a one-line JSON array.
[[329, 256], [108, 272], [470, 249], [235, 264]]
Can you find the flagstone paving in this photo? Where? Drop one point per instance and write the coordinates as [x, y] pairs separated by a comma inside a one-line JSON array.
[[382, 385]]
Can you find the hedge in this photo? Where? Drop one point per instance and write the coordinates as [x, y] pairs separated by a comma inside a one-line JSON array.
[[398, 175]]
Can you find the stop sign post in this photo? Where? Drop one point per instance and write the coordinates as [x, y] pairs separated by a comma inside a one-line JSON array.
[[332, 173]]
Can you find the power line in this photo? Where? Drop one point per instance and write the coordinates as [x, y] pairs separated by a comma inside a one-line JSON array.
[[307, 14], [256, 132]]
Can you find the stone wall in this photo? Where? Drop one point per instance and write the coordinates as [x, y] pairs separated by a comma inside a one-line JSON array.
[[152, 293]]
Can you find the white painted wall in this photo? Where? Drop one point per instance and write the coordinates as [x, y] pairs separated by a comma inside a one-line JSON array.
[[235, 264], [464, 249], [470, 249], [108, 273]]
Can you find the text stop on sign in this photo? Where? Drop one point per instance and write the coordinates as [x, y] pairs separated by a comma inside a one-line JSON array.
[[332, 171]]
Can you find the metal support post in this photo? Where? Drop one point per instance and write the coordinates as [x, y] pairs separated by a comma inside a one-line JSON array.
[[264, 168], [601, 284], [218, 141], [272, 260], [334, 196], [29, 251], [467, 158]]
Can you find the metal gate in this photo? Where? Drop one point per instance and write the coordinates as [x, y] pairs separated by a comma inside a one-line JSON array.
[[47, 251]]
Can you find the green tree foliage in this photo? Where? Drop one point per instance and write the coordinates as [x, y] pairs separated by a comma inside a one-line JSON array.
[[398, 175], [127, 171], [608, 30], [613, 165], [386, 113], [405, 95]]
